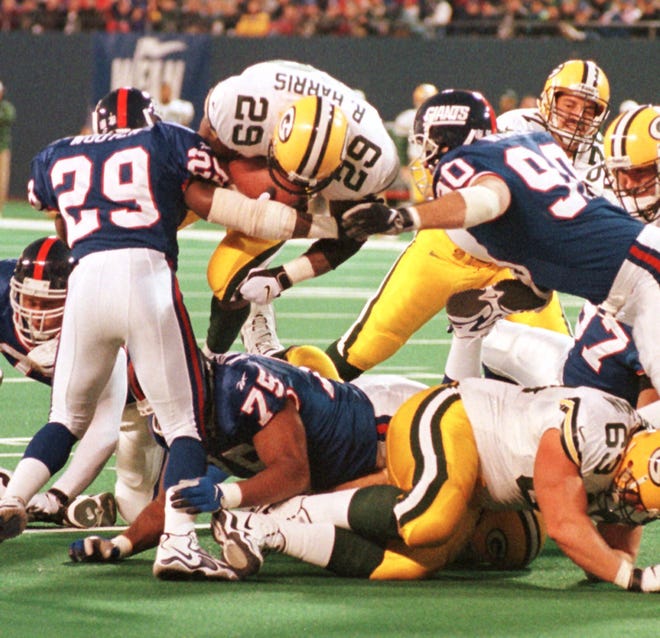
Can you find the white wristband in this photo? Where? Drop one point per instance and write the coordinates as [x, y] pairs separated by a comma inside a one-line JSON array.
[[299, 269], [123, 544], [323, 227], [481, 205], [231, 495], [624, 575]]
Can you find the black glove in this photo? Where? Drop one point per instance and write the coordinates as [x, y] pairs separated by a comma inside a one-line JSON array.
[[373, 218]]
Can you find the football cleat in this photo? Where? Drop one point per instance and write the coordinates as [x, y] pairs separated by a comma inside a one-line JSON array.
[[259, 332], [473, 313], [13, 517], [85, 511], [180, 557], [244, 537], [46, 507], [5, 476]]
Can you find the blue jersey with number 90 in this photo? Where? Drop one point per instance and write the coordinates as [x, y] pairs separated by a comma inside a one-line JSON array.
[[553, 231]]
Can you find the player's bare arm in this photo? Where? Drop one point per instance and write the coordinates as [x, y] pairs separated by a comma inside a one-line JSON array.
[[483, 201], [562, 499]]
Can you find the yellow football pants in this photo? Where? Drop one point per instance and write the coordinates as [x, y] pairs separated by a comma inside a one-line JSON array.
[[233, 258], [432, 454], [429, 271]]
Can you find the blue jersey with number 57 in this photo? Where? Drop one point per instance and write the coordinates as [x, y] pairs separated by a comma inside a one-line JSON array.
[[122, 189], [604, 356], [339, 421], [552, 230]]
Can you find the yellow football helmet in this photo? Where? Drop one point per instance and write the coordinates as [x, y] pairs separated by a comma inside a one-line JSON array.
[[422, 93], [583, 79], [636, 486], [309, 144], [632, 157], [505, 539]]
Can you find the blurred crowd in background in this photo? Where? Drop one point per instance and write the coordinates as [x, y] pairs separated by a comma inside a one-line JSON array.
[[573, 19]]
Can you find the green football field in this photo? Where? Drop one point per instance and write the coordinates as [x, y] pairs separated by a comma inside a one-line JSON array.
[[43, 594]]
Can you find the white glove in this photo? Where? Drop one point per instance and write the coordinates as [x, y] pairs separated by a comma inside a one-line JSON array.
[[263, 285], [42, 358]]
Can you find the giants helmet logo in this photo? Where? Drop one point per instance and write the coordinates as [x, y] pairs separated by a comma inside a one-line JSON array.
[[447, 115]]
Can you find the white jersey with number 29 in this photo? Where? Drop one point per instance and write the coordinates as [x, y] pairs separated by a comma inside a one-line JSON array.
[[244, 111]]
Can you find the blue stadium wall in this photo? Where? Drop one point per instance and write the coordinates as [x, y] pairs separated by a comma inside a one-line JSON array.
[[49, 78]]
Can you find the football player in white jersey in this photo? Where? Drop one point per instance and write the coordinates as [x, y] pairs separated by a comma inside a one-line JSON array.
[[437, 263], [322, 142], [573, 106], [577, 455]]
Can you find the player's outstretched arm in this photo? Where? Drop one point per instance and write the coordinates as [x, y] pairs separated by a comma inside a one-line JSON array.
[[484, 201], [562, 500], [261, 218], [263, 285]]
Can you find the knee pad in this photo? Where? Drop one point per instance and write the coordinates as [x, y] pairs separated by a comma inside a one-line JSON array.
[[313, 358]]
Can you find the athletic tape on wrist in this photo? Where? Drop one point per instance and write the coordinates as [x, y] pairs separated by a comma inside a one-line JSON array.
[[231, 495], [123, 544], [299, 269]]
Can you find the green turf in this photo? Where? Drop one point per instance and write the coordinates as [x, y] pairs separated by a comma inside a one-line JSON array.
[[43, 594]]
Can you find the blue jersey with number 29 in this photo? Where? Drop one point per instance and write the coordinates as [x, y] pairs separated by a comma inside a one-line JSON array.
[[552, 231], [122, 189]]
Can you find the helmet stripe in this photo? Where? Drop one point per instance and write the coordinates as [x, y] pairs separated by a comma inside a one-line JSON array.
[[122, 108], [590, 74], [42, 257], [325, 142], [620, 135], [312, 139]]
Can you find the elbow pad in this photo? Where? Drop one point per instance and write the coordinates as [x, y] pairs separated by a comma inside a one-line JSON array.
[[481, 205]]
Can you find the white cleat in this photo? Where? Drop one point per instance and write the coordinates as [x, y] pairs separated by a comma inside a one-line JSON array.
[[244, 537], [13, 517], [259, 332], [98, 510], [180, 557]]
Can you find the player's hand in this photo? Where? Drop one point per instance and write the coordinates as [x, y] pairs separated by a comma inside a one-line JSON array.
[[42, 357], [93, 549], [204, 495], [373, 218], [263, 285], [646, 580]]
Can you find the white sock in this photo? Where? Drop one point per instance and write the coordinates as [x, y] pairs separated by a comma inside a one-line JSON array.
[[464, 359], [29, 477], [310, 543], [176, 521], [328, 508]]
